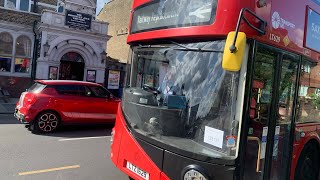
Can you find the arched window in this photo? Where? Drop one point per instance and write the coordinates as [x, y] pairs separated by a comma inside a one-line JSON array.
[[72, 56], [23, 54], [6, 46]]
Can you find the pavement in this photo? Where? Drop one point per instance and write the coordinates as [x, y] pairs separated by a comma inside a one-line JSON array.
[[8, 108]]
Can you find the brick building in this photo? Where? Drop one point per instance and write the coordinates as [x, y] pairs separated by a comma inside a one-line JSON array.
[[49, 39], [117, 14]]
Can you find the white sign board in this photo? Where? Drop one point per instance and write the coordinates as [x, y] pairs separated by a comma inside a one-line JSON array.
[[113, 79], [213, 136]]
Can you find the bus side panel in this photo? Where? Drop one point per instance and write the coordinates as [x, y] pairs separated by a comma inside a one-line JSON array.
[[117, 133], [311, 132], [129, 150]]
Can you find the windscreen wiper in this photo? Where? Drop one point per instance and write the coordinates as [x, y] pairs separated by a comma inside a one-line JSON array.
[[186, 48], [151, 46]]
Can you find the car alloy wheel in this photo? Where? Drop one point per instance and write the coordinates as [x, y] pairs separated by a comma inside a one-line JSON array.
[[48, 122]]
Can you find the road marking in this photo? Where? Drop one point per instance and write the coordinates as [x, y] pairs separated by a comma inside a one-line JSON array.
[[48, 170], [74, 139]]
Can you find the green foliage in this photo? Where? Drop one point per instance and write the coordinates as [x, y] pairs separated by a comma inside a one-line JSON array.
[[315, 100]]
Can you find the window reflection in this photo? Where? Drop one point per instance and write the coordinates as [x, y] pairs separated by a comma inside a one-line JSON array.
[[23, 54], [6, 43], [309, 93], [11, 4], [22, 65], [6, 46]]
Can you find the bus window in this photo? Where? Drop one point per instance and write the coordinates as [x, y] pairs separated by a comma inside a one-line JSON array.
[[261, 95], [283, 117], [286, 89], [274, 79], [309, 96]]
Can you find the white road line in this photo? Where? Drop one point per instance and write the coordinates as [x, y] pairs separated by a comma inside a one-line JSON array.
[[75, 139]]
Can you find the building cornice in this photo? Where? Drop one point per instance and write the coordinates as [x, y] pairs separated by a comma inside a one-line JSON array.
[[74, 32]]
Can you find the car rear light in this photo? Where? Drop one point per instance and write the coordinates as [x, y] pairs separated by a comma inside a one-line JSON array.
[[30, 98]]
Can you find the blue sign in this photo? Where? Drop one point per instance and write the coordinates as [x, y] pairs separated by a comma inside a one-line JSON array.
[[313, 30]]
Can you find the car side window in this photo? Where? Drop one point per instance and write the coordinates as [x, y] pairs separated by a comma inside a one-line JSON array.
[[68, 89], [99, 91], [85, 91]]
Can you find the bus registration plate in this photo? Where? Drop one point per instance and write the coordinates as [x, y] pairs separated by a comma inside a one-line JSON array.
[[137, 171]]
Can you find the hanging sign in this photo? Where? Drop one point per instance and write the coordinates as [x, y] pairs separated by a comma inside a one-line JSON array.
[[78, 20]]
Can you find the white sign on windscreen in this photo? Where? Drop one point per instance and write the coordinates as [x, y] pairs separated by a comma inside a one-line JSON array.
[[213, 136]]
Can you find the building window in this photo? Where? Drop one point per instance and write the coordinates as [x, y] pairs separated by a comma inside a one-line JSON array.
[[11, 4], [23, 54], [60, 9], [23, 5], [60, 6], [6, 45]]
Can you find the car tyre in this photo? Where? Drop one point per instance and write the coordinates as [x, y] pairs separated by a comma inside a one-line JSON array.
[[130, 178], [308, 164], [45, 122]]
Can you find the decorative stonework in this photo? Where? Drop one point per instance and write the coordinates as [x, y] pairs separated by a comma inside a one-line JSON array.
[[99, 44], [41, 8], [51, 37], [52, 2], [18, 17]]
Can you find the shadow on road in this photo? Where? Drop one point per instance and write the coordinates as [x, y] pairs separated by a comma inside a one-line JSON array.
[[8, 119], [80, 131], [66, 131]]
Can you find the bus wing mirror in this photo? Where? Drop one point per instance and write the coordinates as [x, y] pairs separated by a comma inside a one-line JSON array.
[[234, 51]]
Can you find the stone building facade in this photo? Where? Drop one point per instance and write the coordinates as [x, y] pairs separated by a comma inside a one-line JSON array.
[[44, 39], [117, 14]]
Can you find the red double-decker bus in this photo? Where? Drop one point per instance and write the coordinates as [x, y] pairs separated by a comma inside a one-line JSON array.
[[221, 89]]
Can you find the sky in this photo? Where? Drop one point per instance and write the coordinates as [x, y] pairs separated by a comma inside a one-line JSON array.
[[100, 4]]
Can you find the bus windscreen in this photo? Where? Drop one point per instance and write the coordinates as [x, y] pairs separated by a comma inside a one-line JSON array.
[[172, 13]]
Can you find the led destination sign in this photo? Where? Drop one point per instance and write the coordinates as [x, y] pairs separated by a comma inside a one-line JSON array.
[[312, 40], [172, 13]]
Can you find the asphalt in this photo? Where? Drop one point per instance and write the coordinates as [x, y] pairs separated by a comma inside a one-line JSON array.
[[8, 108], [58, 155]]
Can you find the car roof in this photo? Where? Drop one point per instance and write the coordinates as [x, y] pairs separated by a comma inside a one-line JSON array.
[[66, 82]]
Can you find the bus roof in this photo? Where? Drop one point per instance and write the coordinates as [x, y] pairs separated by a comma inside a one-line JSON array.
[[293, 25]]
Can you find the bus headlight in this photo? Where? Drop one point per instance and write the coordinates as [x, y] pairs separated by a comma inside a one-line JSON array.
[[194, 172]]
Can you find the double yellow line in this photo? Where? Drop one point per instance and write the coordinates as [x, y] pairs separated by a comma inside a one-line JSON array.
[[49, 170]]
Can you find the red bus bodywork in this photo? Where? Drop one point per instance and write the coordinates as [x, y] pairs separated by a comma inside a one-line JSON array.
[[290, 37]]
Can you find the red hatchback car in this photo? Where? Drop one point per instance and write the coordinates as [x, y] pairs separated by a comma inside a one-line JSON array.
[[50, 103]]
